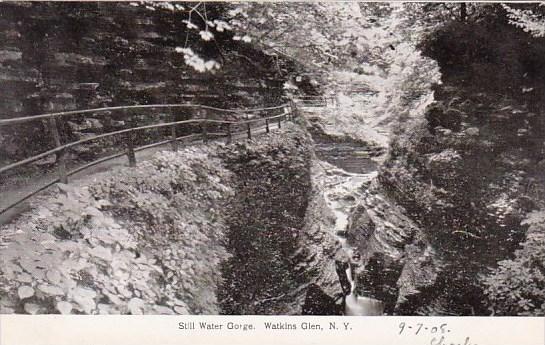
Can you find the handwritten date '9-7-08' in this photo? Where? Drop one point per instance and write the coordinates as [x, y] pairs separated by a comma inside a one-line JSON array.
[[438, 333]]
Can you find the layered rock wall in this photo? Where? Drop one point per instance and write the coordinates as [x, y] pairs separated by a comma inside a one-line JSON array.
[[64, 56]]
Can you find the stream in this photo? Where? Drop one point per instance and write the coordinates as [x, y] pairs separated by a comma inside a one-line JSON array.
[[347, 168]]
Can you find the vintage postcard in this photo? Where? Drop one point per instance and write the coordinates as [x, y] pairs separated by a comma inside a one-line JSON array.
[[274, 172]]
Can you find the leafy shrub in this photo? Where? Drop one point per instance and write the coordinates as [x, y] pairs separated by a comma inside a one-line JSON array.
[[143, 240], [517, 286]]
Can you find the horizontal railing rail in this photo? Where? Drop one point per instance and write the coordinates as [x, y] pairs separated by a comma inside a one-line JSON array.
[[314, 101], [288, 112], [22, 119]]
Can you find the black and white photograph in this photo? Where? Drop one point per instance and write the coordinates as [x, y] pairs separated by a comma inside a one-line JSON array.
[[272, 158]]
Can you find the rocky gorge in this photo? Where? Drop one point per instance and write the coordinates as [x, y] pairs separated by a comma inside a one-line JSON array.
[[447, 219]]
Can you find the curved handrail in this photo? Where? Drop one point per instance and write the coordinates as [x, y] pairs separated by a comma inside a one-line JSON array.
[[83, 141], [123, 131], [288, 109], [22, 119]]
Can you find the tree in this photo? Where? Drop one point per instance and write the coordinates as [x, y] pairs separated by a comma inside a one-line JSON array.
[[531, 20], [200, 21], [517, 286]]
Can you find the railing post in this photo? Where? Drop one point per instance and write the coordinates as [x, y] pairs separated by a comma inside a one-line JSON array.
[[229, 135], [279, 122], [130, 140], [204, 124], [173, 135], [267, 125], [130, 149], [293, 109], [249, 130], [61, 158]]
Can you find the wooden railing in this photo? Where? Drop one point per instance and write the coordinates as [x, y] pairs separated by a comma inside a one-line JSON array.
[[315, 101], [286, 112]]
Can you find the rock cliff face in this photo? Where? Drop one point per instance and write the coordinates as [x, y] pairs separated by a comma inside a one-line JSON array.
[[63, 56], [451, 198], [279, 234]]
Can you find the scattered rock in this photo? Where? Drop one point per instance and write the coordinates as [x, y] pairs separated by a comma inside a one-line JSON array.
[[64, 307], [136, 306], [32, 308], [25, 292]]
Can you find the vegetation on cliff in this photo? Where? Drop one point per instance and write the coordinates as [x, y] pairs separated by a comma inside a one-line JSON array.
[[206, 230], [469, 174], [266, 219], [136, 240]]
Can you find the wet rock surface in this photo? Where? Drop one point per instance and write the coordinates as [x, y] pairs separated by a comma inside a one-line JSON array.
[[343, 173], [392, 249]]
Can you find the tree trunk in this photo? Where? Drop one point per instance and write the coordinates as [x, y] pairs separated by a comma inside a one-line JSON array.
[[463, 11]]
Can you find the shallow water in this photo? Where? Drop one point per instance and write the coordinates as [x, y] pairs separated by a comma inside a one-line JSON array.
[[350, 157], [347, 167], [358, 305]]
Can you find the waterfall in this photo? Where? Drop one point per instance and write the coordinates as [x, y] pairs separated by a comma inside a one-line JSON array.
[[357, 305], [337, 185]]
